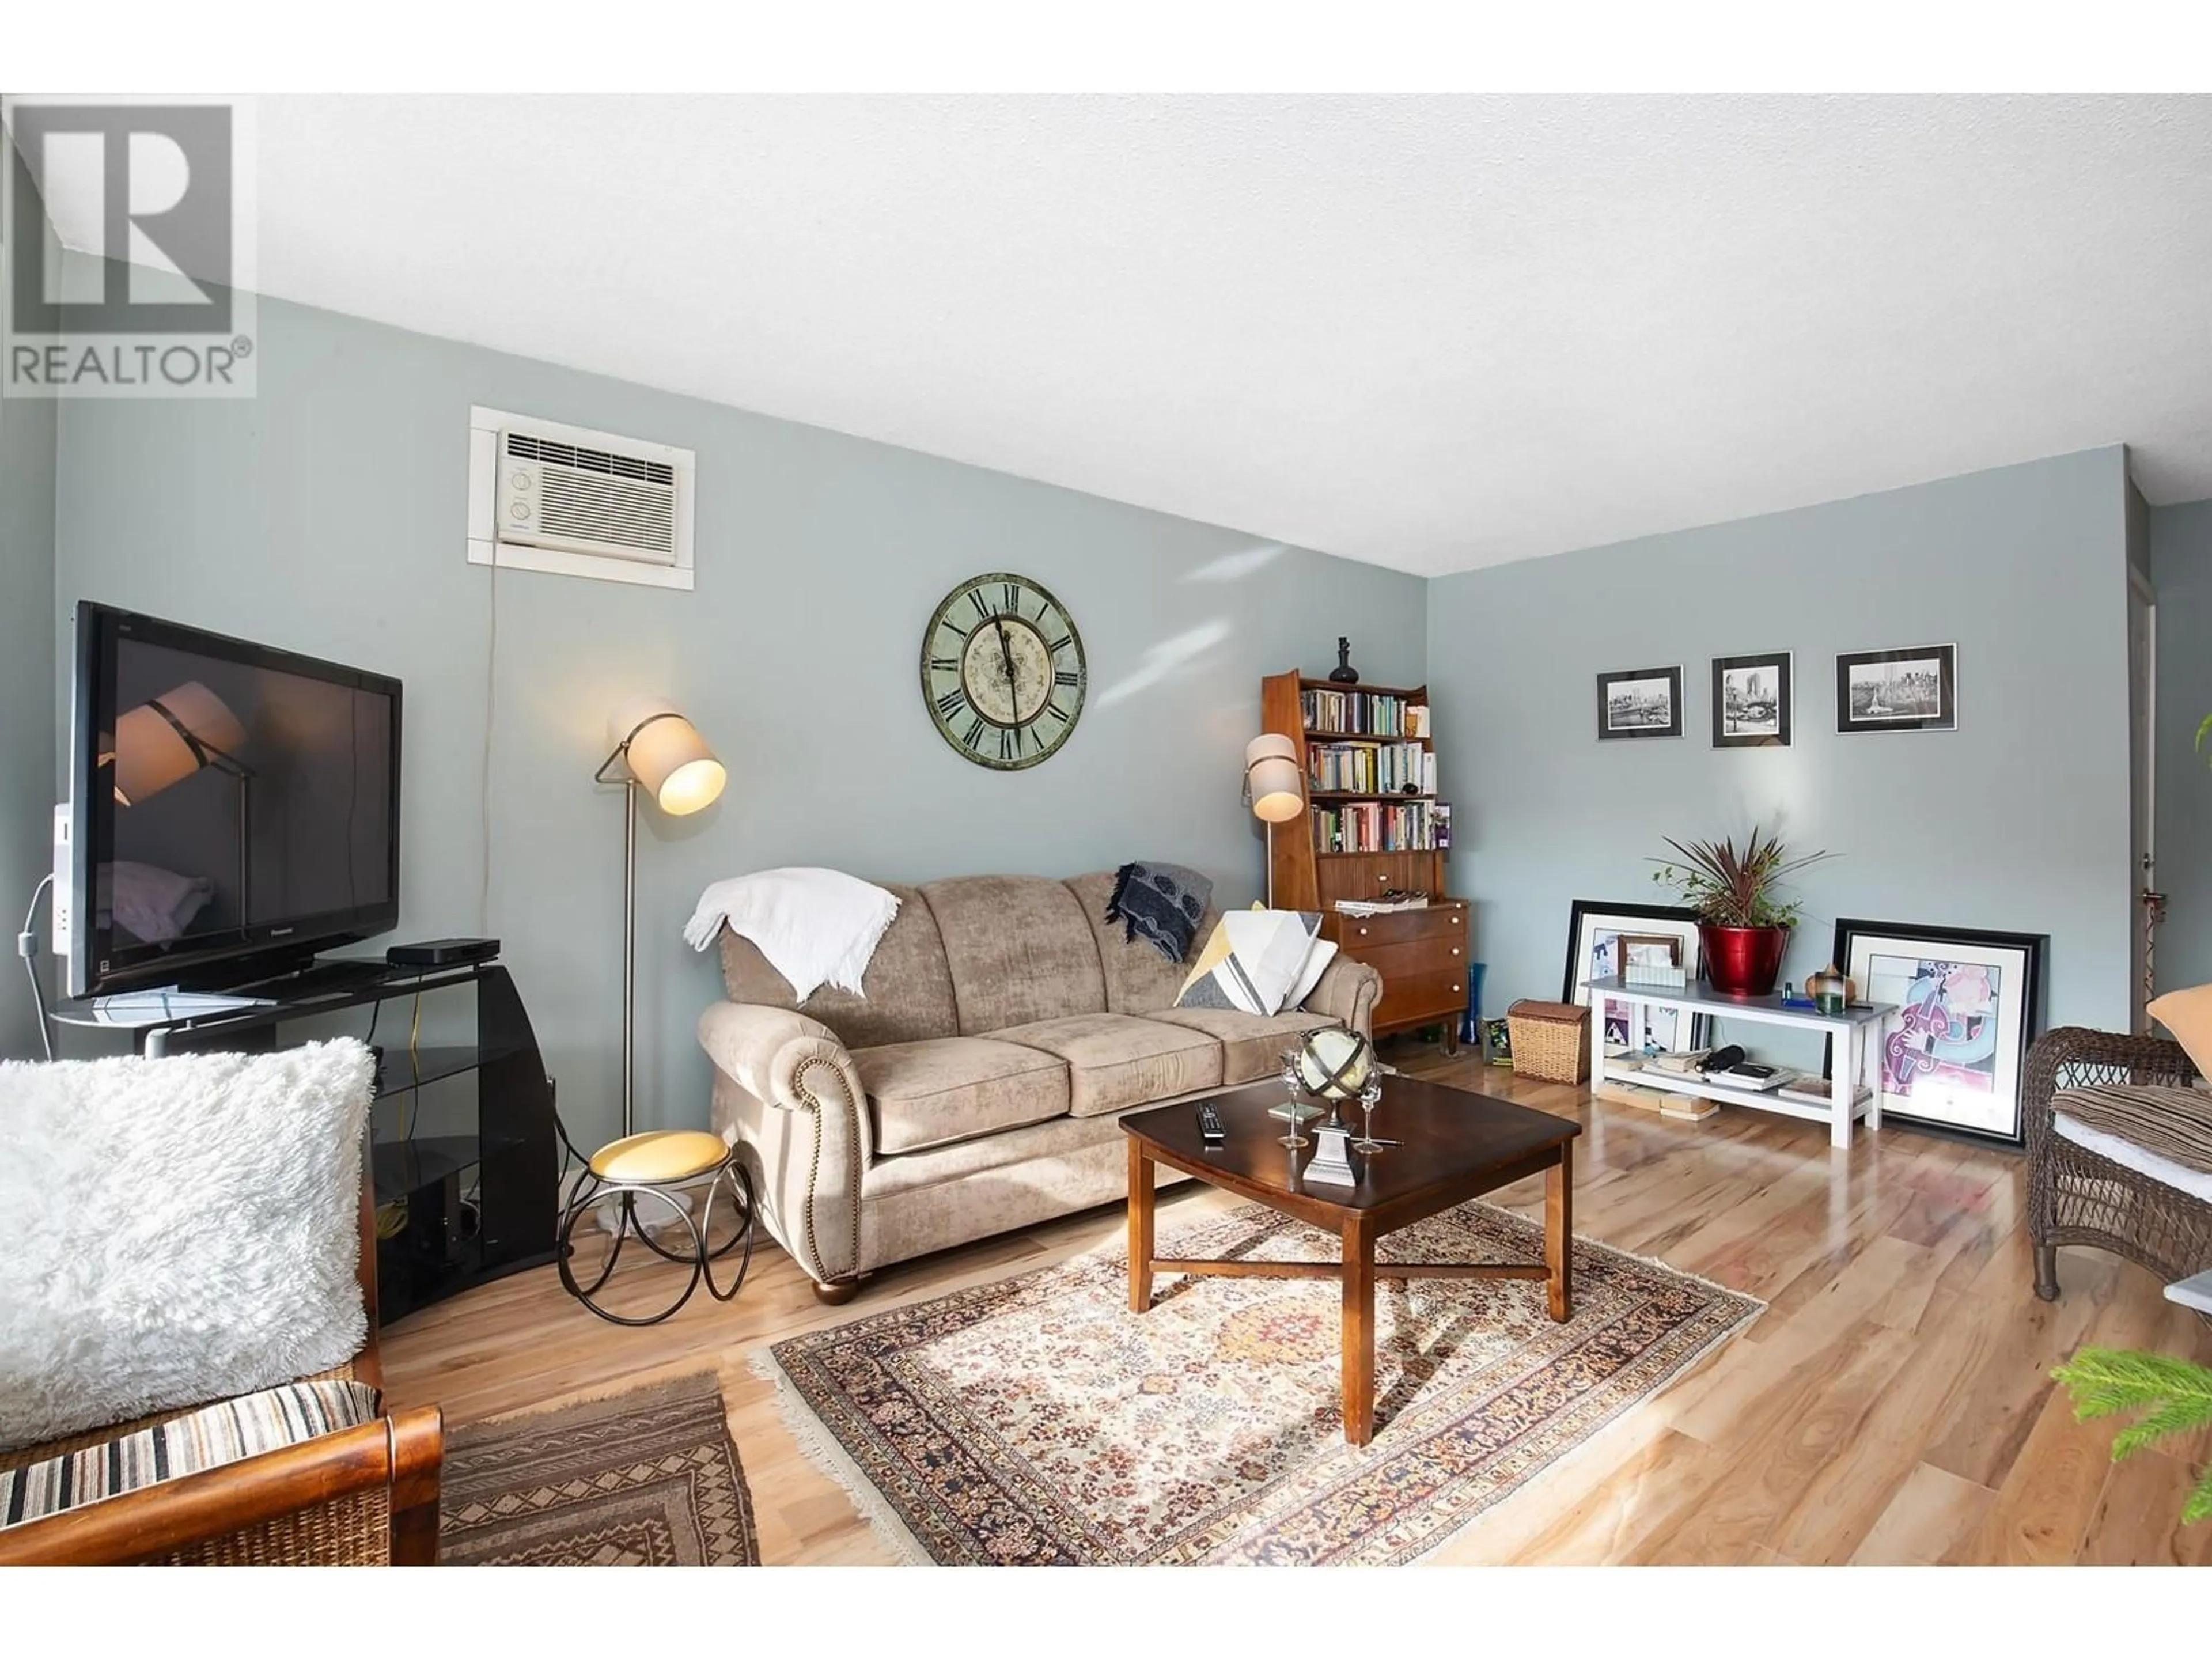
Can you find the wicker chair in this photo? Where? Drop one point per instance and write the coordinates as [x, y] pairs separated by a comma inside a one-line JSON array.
[[359, 1496], [2075, 1196]]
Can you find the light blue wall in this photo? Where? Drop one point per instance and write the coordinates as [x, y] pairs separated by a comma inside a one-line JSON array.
[[328, 515], [2018, 820], [2181, 573], [26, 680]]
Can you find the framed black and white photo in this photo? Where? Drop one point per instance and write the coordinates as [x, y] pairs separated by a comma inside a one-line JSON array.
[[1603, 938], [1751, 702], [1912, 689], [1640, 702], [1968, 1004]]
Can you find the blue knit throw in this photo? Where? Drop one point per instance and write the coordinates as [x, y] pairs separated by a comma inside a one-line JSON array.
[[1162, 902]]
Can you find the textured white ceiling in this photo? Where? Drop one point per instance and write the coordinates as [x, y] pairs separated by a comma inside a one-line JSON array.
[[1433, 332]]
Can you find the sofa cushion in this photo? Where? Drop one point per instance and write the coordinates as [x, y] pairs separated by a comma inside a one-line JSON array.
[[2188, 1015], [907, 986], [1139, 979], [1019, 948], [947, 1088], [1117, 1061], [228, 1433], [2128, 1155], [1251, 1044], [2174, 1123]]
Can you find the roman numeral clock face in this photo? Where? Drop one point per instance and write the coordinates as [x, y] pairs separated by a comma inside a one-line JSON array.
[[1002, 672]]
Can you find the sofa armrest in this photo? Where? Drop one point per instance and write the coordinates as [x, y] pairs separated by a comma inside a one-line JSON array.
[[788, 1093], [1347, 992], [763, 1048], [2073, 1056]]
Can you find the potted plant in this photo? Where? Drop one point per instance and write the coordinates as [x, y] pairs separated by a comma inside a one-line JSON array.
[[1743, 924]]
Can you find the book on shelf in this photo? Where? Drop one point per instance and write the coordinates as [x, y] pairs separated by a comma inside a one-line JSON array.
[[1805, 1089], [1369, 713], [1370, 768], [1417, 719], [1376, 826]]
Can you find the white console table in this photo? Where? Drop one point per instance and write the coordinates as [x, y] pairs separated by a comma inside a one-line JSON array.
[[1856, 1034]]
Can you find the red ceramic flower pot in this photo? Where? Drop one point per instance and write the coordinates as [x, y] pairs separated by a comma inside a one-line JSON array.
[[1742, 961]]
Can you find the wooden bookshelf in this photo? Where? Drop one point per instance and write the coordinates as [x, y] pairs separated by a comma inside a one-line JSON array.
[[1308, 877], [1421, 954]]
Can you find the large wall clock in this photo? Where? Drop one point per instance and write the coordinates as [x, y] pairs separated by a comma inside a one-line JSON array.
[[1002, 672]]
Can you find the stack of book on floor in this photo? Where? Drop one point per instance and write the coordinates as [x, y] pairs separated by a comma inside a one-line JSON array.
[[1665, 1101]]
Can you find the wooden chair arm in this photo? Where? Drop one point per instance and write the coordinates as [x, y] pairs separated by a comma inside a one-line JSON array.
[[402, 1452]]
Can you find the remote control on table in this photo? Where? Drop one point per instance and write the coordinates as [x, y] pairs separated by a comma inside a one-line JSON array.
[[1209, 1124]]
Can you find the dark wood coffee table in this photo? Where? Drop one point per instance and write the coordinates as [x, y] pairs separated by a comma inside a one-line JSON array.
[[1456, 1146]]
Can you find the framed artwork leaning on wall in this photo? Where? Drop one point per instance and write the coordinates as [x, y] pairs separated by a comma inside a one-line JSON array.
[[1601, 940], [1969, 1003]]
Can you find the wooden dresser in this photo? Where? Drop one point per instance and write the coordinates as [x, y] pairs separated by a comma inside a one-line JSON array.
[[1422, 957]]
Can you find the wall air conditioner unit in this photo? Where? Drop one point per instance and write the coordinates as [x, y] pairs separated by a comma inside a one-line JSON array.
[[570, 501], [572, 498]]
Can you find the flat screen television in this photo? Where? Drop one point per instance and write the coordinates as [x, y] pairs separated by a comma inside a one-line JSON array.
[[233, 807]]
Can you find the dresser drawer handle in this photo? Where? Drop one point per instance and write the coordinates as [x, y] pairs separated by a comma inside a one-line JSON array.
[[1455, 950], [1363, 933]]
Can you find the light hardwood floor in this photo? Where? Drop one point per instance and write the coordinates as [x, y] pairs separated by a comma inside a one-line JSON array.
[[1893, 1406]]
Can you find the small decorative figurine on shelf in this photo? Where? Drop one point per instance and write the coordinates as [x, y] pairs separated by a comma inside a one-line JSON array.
[[1344, 673]]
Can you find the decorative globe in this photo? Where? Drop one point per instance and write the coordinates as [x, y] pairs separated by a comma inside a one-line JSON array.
[[1334, 1063]]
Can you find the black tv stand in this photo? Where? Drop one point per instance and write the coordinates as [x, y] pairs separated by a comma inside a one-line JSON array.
[[467, 1190], [322, 977]]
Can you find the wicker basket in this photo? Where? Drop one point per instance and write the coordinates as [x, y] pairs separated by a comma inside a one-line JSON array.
[[1550, 1041]]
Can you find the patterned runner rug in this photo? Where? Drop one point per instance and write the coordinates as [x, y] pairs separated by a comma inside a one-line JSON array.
[[1039, 1421], [647, 1477]]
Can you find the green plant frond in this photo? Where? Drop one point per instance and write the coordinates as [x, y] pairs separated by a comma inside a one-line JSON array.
[[2199, 1506], [2204, 726], [2148, 1377], [2174, 1395], [1734, 887], [2173, 1417]]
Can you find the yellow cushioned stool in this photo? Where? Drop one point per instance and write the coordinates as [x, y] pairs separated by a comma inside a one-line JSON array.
[[651, 1167]]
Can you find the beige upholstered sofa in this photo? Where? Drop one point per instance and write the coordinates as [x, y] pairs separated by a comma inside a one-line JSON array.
[[975, 1088]]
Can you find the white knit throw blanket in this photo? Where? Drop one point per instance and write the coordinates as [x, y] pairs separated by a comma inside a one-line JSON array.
[[815, 927]]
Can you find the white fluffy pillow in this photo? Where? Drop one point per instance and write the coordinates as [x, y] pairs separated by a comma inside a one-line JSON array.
[[174, 1232]]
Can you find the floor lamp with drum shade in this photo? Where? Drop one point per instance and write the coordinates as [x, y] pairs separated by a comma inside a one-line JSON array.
[[1273, 789], [659, 753]]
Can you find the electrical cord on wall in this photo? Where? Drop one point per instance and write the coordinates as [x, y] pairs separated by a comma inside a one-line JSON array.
[[491, 704], [26, 946]]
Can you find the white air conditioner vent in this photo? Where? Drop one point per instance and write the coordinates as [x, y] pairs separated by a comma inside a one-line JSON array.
[[580, 500], [523, 445], [573, 502]]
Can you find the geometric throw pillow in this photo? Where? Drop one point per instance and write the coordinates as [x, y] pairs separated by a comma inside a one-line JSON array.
[[2188, 1015], [1255, 961], [175, 1231]]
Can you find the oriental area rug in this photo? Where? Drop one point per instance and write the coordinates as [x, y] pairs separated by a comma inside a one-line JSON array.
[[648, 1478], [1038, 1421]]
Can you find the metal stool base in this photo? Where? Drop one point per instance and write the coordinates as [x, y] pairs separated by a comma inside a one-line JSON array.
[[593, 1191]]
